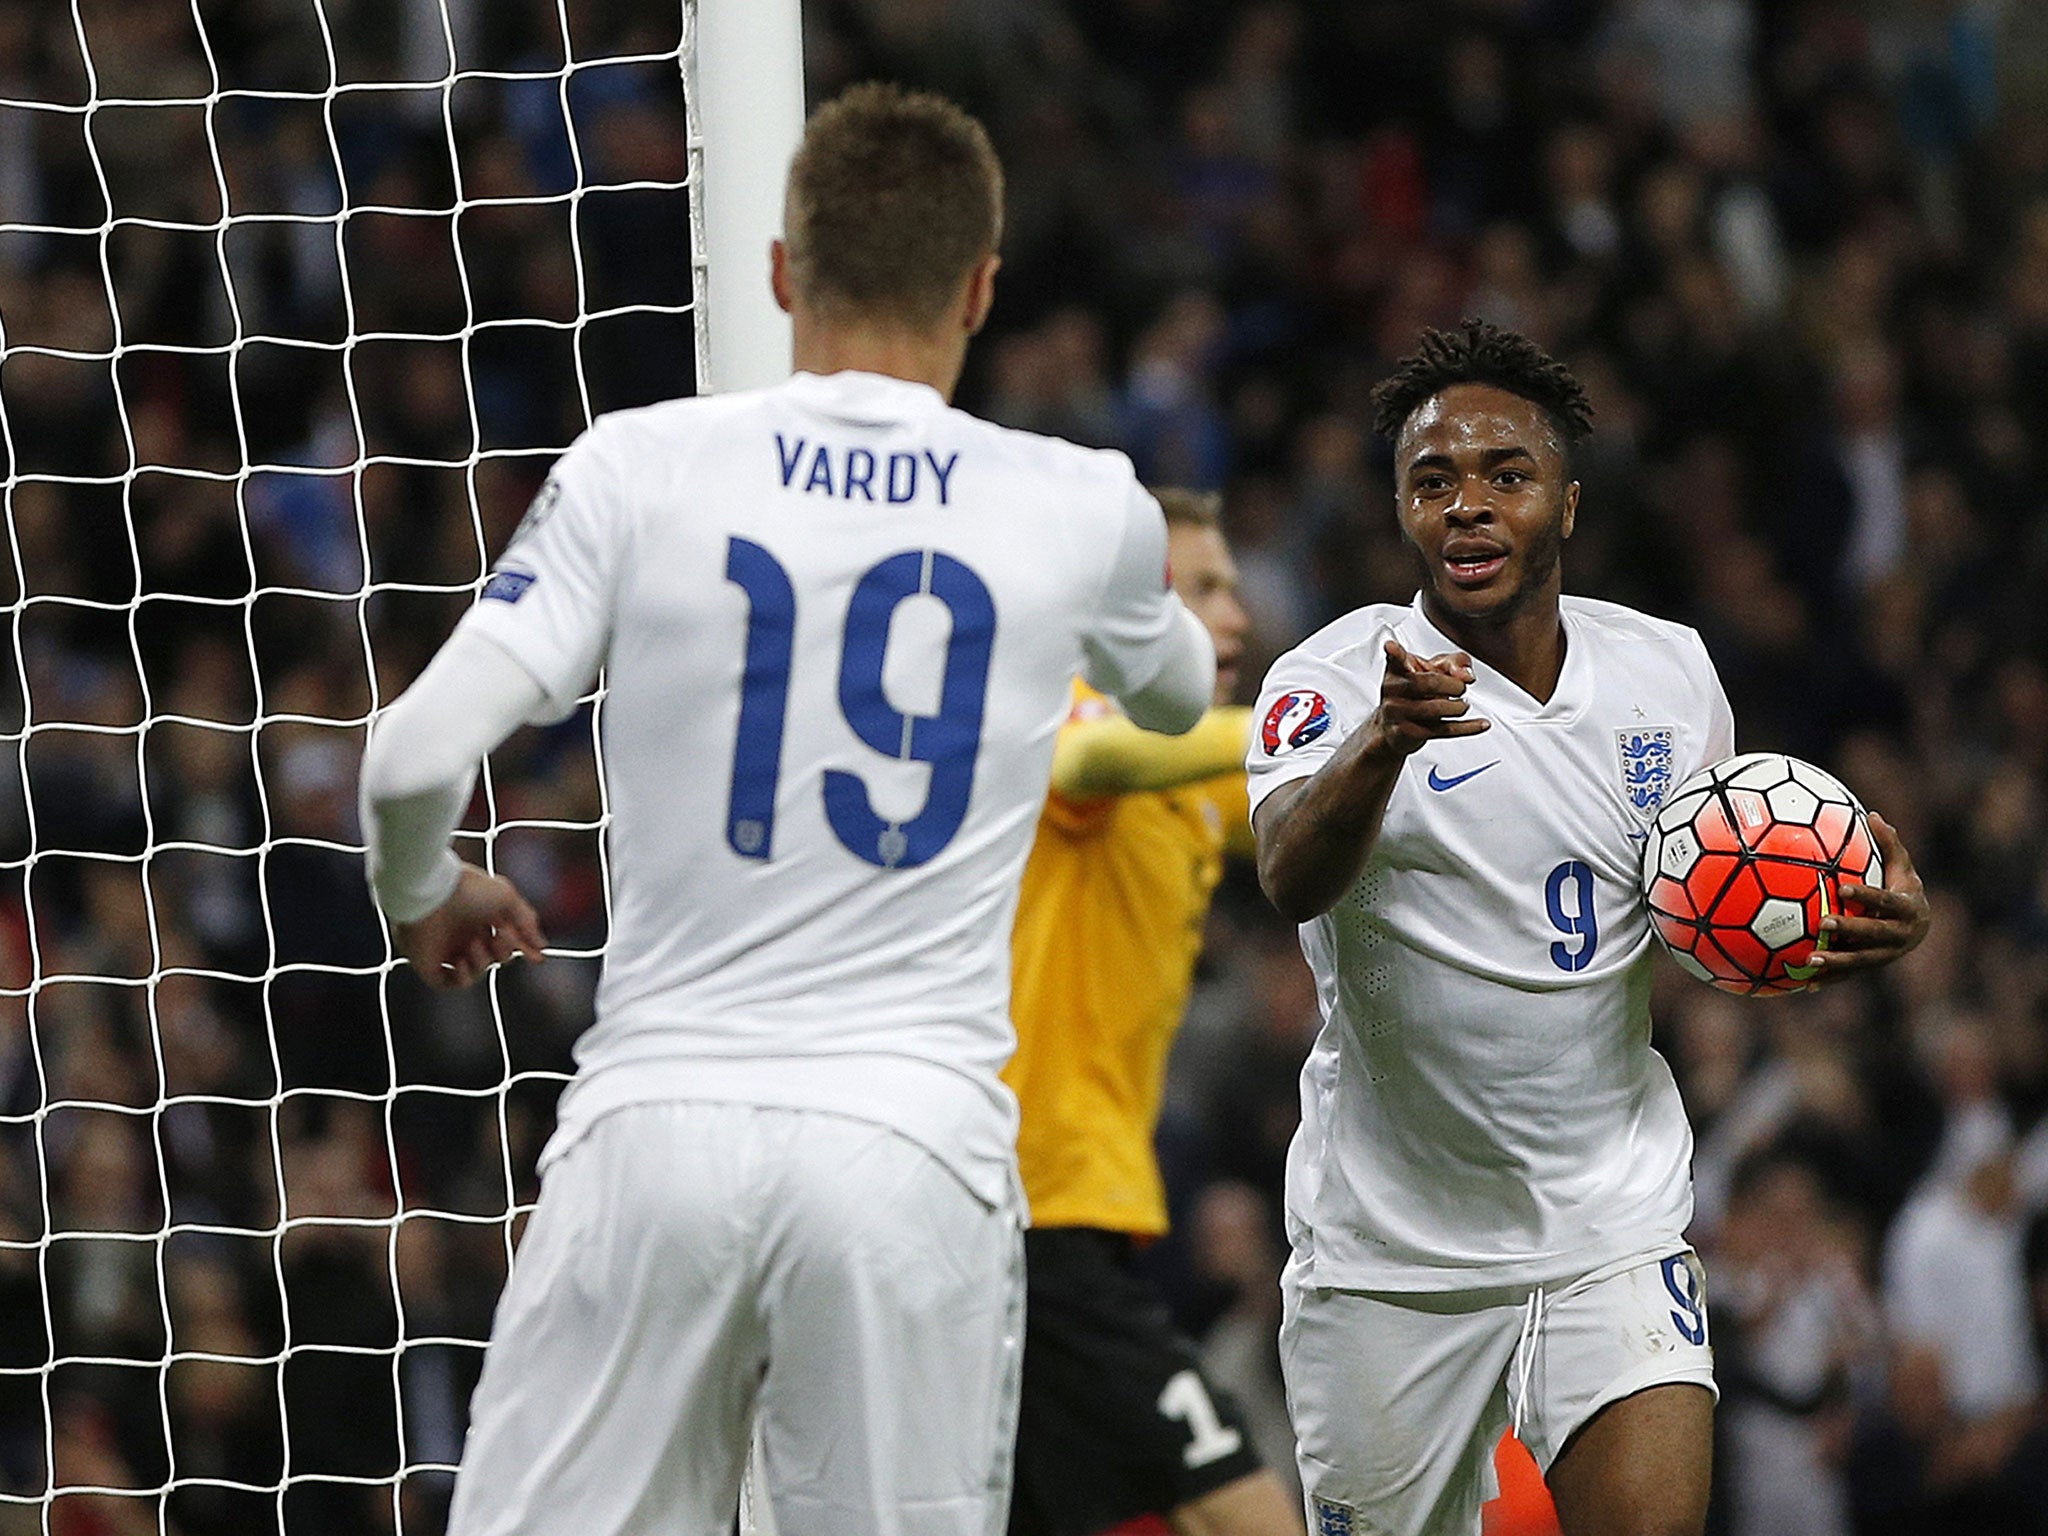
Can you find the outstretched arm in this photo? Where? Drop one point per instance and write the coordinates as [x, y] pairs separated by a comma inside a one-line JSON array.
[[451, 919], [1112, 755], [1315, 835]]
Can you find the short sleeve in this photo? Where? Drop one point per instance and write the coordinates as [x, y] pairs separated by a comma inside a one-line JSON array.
[[1718, 739], [552, 595], [1134, 634], [1305, 710]]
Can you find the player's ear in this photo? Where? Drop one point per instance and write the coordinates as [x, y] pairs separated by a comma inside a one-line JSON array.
[[1571, 508], [778, 276], [979, 296]]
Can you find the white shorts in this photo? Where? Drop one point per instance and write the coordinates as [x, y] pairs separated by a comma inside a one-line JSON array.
[[1398, 1399], [689, 1264]]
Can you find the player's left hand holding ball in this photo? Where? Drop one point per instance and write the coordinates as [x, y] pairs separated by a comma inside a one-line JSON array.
[[484, 921], [1880, 923]]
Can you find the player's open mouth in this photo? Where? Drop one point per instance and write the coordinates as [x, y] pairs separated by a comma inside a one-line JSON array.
[[1475, 567]]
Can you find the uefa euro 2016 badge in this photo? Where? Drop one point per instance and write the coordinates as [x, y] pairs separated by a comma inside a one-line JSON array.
[[1295, 720], [1646, 767]]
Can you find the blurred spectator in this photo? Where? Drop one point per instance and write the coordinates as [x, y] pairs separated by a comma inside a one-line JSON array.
[[1796, 1326], [1697, 51], [1167, 418], [1853, 528], [1966, 1382]]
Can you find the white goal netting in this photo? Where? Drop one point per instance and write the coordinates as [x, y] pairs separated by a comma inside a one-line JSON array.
[[298, 301]]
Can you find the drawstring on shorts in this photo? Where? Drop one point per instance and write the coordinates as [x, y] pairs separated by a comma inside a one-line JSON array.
[[1526, 1348]]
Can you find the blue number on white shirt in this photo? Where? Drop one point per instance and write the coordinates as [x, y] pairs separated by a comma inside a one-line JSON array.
[[1691, 1318], [764, 697], [949, 741], [1575, 920]]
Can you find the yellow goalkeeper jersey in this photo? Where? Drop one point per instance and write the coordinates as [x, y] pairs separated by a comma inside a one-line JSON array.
[[1109, 926]]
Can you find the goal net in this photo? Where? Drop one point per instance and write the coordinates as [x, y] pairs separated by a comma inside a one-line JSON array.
[[299, 299]]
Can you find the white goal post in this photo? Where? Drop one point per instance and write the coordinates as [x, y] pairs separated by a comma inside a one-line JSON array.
[[750, 98], [298, 300]]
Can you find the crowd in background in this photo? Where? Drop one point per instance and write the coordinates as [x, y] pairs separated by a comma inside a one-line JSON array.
[[1798, 253]]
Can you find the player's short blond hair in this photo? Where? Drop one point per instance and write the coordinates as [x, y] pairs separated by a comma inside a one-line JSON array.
[[894, 195], [1189, 509]]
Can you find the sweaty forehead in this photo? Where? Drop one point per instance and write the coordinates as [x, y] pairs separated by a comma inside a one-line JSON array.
[[1476, 418]]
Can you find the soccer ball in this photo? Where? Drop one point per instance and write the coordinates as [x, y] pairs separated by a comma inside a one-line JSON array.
[[1743, 862]]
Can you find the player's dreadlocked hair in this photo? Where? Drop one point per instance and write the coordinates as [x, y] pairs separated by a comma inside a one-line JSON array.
[[1480, 353]]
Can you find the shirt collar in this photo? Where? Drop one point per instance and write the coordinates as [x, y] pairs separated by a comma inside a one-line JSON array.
[[1566, 700], [865, 397]]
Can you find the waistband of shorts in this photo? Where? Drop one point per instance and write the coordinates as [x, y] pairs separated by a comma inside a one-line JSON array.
[[969, 1126], [1443, 1292]]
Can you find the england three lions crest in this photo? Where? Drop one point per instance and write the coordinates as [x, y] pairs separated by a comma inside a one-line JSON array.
[[1645, 767]]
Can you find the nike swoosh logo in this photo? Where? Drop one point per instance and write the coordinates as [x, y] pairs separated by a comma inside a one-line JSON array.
[[1639, 837], [1439, 783]]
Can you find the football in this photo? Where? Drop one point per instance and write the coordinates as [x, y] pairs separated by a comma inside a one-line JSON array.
[[1744, 860]]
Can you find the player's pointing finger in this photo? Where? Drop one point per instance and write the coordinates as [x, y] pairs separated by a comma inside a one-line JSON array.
[[1436, 685]]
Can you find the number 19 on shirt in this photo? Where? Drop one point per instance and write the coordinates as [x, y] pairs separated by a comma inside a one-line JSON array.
[[949, 741]]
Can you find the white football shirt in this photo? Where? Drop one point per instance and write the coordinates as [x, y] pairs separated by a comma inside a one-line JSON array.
[[839, 621], [1482, 1105]]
